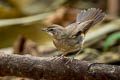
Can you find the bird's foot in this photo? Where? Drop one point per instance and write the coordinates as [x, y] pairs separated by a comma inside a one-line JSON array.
[[58, 58], [70, 60]]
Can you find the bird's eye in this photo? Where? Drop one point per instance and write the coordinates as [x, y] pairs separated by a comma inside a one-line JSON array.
[[51, 29]]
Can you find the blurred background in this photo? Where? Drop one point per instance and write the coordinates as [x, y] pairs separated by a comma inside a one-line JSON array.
[[21, 20]]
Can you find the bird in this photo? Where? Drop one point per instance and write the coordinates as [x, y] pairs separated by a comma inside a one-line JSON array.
[[71, 38]]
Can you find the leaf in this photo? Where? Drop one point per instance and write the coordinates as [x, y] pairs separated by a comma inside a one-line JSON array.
[[111, 40]]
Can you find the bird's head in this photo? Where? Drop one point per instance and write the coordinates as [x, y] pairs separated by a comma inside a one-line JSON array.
[[55, 31]]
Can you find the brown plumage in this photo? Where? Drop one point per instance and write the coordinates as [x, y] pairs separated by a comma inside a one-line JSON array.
[[71, 38]]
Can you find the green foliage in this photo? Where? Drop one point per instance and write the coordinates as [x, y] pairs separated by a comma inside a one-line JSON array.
[[111, 40]]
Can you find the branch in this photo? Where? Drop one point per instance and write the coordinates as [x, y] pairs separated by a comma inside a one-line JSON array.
[[49, 69]]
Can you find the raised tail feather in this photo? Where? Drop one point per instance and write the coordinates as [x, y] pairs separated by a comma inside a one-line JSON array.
[[85, 20], [91, 14], [89, 18]]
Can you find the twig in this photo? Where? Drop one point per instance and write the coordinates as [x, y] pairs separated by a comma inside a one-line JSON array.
[[8, 22]]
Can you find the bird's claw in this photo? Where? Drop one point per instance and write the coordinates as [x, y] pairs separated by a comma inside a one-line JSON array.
[[58, 58], [70, 60]]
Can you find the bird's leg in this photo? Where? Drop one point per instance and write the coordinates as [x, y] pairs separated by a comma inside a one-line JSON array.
[[78, 52], [71, 59]]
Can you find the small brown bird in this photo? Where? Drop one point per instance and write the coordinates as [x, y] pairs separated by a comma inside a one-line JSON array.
[[71, 38]]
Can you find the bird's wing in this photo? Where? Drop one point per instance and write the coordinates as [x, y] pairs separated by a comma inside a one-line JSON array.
[[82, 27], [86, 19], [71, 27]]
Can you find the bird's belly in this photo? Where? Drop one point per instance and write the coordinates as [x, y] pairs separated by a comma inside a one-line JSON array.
[[66, 46]]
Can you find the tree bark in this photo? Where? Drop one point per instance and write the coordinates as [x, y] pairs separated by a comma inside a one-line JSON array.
[[48, 68]]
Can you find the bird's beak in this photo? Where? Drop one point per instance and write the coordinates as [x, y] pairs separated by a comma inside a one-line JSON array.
[[44, 29]]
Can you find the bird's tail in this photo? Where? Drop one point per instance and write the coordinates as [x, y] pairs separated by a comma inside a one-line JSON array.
[[96, 15], [91, 14]]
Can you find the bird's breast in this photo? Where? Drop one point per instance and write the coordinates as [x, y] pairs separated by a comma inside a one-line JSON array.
[[66, 46]]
